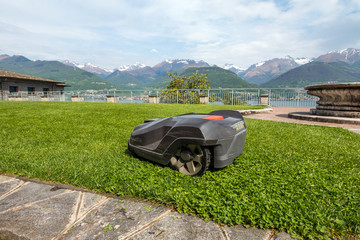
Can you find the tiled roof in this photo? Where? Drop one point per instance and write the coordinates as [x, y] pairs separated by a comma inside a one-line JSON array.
[[9, 74]]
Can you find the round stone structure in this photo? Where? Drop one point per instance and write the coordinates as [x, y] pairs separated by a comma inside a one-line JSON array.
[[339, 100]]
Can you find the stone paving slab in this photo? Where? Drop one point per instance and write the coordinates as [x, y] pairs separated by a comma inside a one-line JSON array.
[[28, 193], [115, 220], [242, 233], [41, 220], [181, 226], [282, 236], [6, 179], [7, 184], [87, 202]]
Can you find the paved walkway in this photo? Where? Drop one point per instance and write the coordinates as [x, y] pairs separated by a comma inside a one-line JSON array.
[[280, 114], [35, 210]]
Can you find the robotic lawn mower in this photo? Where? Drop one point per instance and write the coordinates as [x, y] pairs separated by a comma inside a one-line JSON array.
[[192, 142]]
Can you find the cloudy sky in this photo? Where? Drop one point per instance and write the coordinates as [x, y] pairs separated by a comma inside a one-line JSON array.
[[110, 33]]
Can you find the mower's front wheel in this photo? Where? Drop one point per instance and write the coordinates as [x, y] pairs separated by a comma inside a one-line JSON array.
[[191, 159]]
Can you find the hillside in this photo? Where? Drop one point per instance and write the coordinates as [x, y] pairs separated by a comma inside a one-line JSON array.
[[219, 78], [77, 78], [132, 79], [356, 64], [123, 79], [316, 73]]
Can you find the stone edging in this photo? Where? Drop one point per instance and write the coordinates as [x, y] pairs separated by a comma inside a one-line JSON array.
[[318, 118], [253, 111]]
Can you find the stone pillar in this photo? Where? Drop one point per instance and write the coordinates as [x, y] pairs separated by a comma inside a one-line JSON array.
[[112, 99], [62, 96], [77, 99], [2, 95], [153, 99], [264, 99], [15, 98], [204, 100]]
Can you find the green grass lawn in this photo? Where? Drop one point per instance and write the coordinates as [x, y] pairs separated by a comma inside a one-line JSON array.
[[299, 178]]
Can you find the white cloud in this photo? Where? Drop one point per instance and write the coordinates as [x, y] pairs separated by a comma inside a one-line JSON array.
[[114, 32]]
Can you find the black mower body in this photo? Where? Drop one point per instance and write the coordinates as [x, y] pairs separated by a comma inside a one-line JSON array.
[[221, 131]]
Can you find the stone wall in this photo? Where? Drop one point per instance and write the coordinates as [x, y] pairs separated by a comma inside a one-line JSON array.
[[23, 86]]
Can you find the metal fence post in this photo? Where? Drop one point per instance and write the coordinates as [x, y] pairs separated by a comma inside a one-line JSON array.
[[269, 97], [298, 99], [232, 96], [199, 95]]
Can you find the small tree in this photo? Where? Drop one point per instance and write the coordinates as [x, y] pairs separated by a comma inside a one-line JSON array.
[[186, 89], [176, 82]]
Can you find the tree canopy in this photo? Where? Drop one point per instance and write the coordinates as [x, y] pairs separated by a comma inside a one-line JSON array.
[[195, 81]]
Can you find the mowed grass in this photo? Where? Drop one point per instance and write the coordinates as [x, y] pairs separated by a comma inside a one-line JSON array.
[[299, 178]]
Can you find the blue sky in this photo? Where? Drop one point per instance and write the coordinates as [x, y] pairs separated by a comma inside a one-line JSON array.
[[110, 33]]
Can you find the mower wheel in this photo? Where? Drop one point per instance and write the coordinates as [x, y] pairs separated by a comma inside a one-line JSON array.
[[191, 159]]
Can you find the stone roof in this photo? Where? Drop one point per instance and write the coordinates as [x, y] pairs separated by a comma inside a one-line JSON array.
[[8, 74]]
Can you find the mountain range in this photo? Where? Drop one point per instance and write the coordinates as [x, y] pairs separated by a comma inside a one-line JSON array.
[[262, 72], [316, 72], [133, 76], [77, 78], [156, 76], [335, 66]]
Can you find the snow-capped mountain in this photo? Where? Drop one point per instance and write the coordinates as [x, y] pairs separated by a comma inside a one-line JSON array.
[[177, 64], [302, 61], [69, 63], [89, 67], [132, 67], [299, 61], [262, 72], [234, 68], [349, 55]]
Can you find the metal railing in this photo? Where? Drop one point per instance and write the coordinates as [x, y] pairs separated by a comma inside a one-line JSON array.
[[236, 96]]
